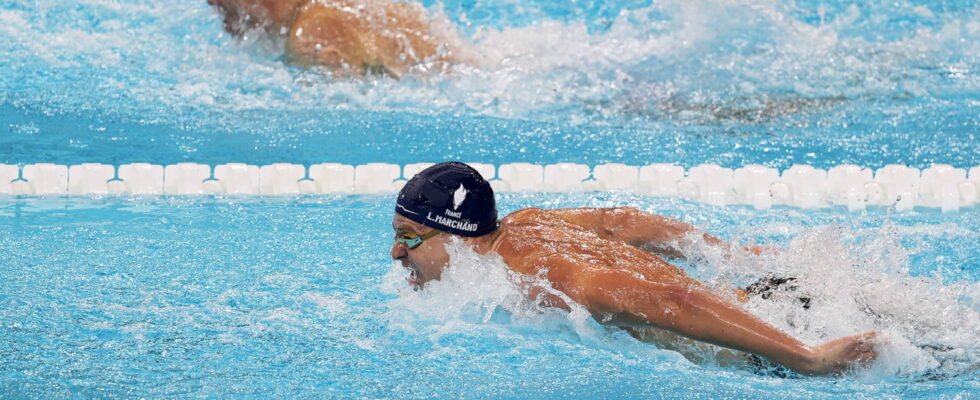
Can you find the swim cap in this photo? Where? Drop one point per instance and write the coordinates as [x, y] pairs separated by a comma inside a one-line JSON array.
[[451, 197]]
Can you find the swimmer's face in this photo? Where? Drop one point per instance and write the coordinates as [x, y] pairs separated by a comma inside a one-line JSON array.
[[425, 261]]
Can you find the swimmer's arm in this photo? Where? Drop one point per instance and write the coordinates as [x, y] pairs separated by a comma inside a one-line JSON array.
[[619, 298], [656, 233]]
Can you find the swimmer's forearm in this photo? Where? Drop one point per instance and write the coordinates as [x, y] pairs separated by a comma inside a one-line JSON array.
[[699, 315]]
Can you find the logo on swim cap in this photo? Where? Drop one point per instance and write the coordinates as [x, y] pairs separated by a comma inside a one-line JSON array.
[[451, 197], [458, 196]]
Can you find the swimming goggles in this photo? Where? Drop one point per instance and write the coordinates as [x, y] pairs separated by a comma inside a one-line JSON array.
[[412, 240]]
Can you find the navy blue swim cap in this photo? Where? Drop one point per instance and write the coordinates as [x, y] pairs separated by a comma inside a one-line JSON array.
[[451, 197]]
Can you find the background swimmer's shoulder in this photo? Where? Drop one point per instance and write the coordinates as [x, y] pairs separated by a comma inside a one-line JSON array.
[[362, 37]]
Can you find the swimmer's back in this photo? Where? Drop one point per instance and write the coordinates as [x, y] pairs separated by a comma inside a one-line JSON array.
[[572, 249], [356, 36]]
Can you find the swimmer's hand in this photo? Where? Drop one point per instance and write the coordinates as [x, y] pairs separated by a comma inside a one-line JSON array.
[[839, 355]]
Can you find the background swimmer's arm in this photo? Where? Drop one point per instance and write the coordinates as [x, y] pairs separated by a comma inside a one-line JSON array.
[[623, 299], [656, 233]]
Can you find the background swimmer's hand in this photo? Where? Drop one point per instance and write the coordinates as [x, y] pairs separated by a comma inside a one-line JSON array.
[[838, 355]]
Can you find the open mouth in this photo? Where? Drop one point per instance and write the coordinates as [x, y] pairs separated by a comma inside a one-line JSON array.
[[413, 278]]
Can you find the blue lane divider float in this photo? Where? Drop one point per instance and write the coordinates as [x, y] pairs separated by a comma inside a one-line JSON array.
[[939, 186]]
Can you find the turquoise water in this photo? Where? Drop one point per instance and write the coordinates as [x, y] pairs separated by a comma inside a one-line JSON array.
[[732, 82], [296, 297]]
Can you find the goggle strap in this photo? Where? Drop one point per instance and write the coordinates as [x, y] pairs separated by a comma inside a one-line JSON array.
[[429, 235], [413, 242]]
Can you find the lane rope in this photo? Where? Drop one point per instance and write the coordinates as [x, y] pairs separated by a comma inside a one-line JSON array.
[[852, 186]]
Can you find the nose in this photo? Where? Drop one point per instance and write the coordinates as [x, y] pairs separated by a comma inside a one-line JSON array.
[[398, 250]]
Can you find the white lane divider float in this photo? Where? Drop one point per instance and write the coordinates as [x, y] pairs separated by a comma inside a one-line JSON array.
[[940, 186], [238, 178], [376, 178], [90, 178], [46, 178], [753, 184], [615, 177], [185, 178], [519, 177], [709, 183], [138, 178], [660, 179], [332, 178], [565, 177], [282, 178], [854, 187], [847, 186]]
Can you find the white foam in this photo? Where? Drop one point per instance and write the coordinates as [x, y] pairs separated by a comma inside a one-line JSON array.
[[858, 280], [473, 291], [327, 302], [648, 60]]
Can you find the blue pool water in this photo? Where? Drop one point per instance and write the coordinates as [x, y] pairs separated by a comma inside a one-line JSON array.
[[730, 82], [295, 296]]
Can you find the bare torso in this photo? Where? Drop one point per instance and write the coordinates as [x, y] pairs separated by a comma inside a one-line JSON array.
[[364, 36], [348, 37], [534, 240], [606, 260], [554, 242]]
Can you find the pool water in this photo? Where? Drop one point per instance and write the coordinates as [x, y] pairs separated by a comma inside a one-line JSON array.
[[295, 296], [729, 82]]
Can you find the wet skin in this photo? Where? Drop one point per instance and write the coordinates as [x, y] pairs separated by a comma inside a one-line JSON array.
[[594, 256], [348, 37]]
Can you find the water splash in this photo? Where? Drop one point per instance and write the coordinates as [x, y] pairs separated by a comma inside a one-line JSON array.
[[856, 280], [474, 291], [741, 60]]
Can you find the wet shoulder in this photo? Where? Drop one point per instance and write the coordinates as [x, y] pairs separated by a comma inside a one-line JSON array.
[[522, 215], [533, 216]]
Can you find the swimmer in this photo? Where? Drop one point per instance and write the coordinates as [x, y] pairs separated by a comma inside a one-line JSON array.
[[347, 37], [607, 260]]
